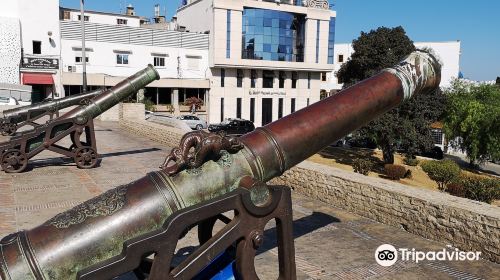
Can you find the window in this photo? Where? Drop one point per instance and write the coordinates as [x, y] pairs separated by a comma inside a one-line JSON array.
[[122, 59], [307, 101], [78, 59], [37, 47], [294, 79], [239, 78], [85, 18], [228, 34], [331, 39], [253, 78], [308, 80], [222, 77], [292, 105], [272, 35], [317, 40], [267, 79], [159, 61], [323, 77], [252, 109], [222, 109], [340, 58], [280, 108], [238, 108], [282, 78], [437, 136], [121, 21]]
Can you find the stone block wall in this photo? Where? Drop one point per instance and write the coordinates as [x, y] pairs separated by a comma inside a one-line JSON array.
[[159, 133], [132, 111], [463, 223]]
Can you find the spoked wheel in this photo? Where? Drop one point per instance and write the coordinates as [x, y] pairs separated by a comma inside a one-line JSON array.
[[14, 161], [8, 128], [85, 157]]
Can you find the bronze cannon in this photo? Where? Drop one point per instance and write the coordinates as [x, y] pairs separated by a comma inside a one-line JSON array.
[[13, 119], [75, 124], [206, 175]]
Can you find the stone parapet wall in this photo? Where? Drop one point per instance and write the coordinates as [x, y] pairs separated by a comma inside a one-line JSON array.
[[463, 223], [132, 111], [159, 133]]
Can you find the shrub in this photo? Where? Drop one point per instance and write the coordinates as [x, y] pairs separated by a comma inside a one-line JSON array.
[[394, 171], [362, 166], [148, 104], [442, 171], [411, 161], [456, 188], [481, 189]]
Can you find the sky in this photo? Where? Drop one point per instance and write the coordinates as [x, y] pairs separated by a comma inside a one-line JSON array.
[[475, 23]]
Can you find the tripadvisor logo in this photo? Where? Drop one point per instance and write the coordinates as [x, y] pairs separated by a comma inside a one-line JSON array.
[[387, 255]]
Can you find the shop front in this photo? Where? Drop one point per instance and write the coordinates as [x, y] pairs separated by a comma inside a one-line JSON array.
[[39, 73]]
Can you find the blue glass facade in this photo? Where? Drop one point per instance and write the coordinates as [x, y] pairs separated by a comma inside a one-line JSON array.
[[272, 35], [228, 34], [331, 40], [317, 40]]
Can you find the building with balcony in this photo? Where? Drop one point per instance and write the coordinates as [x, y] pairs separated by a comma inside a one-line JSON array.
[[266, 57], [30, 47], [448, 52], [115, 51]]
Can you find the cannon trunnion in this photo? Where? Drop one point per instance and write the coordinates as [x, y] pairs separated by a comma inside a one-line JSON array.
[[205, 176]]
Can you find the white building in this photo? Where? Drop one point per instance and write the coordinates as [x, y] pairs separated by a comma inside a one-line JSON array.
[[30, 46], [115, 50], [448, 52], [266, 57]]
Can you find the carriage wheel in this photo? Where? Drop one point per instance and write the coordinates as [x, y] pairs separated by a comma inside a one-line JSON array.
[[14, 161], [85, 157]]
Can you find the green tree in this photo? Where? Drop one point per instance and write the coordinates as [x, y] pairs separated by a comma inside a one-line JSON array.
[[472, 120], [374, 51], [407, 126]]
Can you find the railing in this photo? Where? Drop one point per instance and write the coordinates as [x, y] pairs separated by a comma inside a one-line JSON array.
[[71, 30]]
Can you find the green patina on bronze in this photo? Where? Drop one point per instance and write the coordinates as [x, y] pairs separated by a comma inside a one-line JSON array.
[[218, 178]]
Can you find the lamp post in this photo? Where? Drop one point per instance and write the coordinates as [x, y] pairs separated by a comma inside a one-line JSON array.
[[84, 58]]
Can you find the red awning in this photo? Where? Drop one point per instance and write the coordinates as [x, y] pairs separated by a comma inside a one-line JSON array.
[[37, 79]]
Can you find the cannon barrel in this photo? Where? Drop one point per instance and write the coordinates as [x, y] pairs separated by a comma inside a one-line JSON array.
[[113, 96], [17, 115], [96, 230]]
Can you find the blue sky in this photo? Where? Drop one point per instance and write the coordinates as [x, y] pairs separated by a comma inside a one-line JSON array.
[[475, 23]]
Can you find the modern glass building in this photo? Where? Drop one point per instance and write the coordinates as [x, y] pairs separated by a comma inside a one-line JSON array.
[[272, 35], [267, 58]]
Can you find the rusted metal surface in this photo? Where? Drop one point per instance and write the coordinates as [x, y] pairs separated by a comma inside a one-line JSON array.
[[114, 226], [16, 118], [77, 124]]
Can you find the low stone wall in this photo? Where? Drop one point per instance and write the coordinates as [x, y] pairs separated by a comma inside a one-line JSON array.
[[132, 111], [159, 133], [463, 223]]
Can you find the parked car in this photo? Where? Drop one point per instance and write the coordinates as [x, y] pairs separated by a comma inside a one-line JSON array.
[[193, 121], [233, 126]]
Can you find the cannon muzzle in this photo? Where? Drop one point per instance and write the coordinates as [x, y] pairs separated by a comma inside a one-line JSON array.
[[113, 96], [96, 230]]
